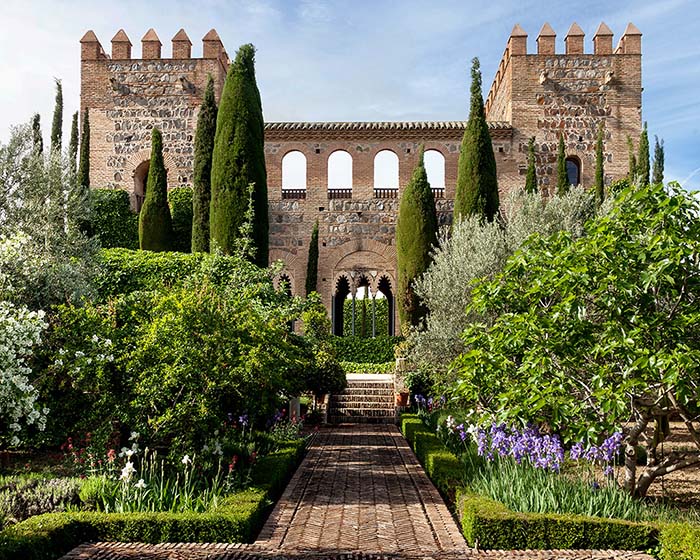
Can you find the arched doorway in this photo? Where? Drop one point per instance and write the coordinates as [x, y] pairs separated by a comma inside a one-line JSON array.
[[573, 170], [140, 180], [342, 290], [384, 287]]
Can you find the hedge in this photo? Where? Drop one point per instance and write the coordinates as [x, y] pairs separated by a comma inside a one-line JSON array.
[[358, 367], [237, 518], [111, 219], [377, 350], [679, 541], [180, 201], [490, 525]]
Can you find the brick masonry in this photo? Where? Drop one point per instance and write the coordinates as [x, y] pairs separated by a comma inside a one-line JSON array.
[[542, 94]]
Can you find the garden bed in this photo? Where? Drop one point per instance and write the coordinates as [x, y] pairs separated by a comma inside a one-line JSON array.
[[238, 518], [488, 524]]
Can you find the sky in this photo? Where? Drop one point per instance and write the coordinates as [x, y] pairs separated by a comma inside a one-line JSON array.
[[359, 60]]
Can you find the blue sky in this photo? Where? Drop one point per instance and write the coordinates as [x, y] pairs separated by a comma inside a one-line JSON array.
[[360, 60]]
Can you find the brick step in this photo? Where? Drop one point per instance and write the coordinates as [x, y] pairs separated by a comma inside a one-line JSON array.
[[377, 385], [363, 405], [356, 391], [336, 419], [367, 412], [344, 399]]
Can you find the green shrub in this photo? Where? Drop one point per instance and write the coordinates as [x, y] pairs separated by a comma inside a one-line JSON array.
[[359, 367], [411, 424], [377, 350], [363, 317], [111, 219], [493, 526], [23, 496], [679, 541], [180, 202]]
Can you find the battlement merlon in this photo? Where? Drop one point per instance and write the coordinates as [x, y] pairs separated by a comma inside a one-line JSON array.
[[497, 101], [151, 47]]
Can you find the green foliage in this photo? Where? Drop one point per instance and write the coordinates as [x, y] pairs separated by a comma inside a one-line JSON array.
[[203, 148], [562, 176], [312, 262], [363, 317], [181, 210], [679, 541], [22, 497], [599, 167], [582, 334], [476, 250], [443, 468], [657, 176], [359, 367], [36, 135], [531, 177], [57, 123], [111, 219], [416, 234], [73, 145], [84, 164], [477, 184], [643, 171], [494, 527], [238, 160], [155, 222], [377, 350]]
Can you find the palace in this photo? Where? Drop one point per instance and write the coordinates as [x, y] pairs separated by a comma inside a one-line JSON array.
[[329, 171]]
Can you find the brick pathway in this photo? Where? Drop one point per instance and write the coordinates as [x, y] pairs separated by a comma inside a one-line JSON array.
[[360, 488]]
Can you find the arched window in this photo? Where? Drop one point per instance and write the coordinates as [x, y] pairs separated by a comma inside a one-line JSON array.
[[140, 180], [435, 168], [386, 170], [340, 170], [294, 171], [573, 170]]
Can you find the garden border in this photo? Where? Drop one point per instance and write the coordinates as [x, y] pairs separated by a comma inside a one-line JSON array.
[[490, 525], [238, 519]]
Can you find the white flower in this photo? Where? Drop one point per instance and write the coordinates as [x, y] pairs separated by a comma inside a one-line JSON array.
[[133, 436], [94, 338], [205, 448], [216, 432], [123, 451], [450, 422], [79, 354], [129, 453], [217, 449], [127, 471], [58, 363], [186, 460], [140, 484]]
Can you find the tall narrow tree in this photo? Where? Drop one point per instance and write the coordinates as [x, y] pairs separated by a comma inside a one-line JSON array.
[[203, 148], [632, 158], [36, 134], [643, 168], [599, 167], [531, 177], [239, 160], [658, 169], [73, 144], [84, 164], [312, 263], [477, 183], [57, 123], [562, 175], [155, 222], [416, 235]]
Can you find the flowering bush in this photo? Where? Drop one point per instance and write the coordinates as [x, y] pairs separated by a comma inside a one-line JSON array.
[[20, 332], [22, 497]]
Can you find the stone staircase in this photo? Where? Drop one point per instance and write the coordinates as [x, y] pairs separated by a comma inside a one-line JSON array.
[[368, 399]]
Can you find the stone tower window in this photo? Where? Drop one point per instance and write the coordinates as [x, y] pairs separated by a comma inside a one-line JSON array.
[[386, 170], [573, 170], [435, 168], [340, 170], [294, 170]]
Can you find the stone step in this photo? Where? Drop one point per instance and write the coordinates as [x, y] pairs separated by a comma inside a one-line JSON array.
[[363, 398], [362, 405], [336, 419], [373, 385], [362, 391], [367, 412]]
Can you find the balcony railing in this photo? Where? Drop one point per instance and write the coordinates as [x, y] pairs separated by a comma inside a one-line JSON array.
[[439, 192], [386, 193], [339, 193], [293, 194]]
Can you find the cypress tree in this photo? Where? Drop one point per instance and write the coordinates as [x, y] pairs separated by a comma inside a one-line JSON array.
[[73, 145], [312, 263], [239, 160], [203, 148], [531, 177], [416, 234], [562, 176], [155, 223], [632, 173], [84, 165], [599, 170], [57, 124], [643, 170], [477, 184], [658, 170], [36, 135]]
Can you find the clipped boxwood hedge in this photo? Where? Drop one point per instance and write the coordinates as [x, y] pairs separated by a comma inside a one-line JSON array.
[[377, 350], [237, 518], [359, 367], [490, 525], [111, 219], [180, 202], [679, 541]]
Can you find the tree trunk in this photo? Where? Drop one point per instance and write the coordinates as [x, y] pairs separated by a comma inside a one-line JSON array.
[[631, 452]]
